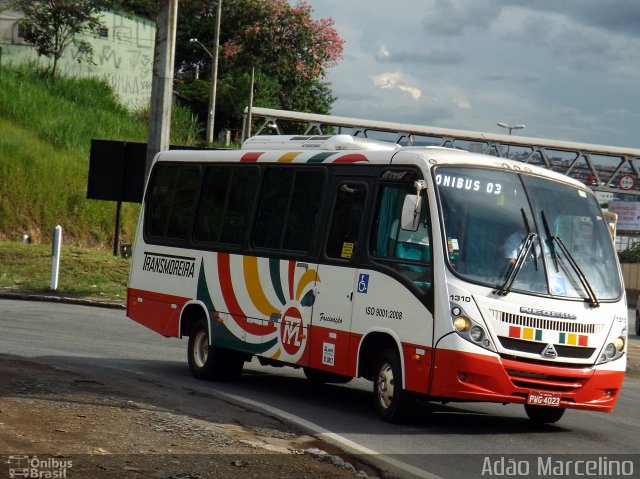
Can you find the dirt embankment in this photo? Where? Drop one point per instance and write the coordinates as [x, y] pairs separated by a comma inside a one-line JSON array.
[[60, 421]]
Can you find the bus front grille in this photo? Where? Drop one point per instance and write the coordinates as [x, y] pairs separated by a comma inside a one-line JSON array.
[[545, 323], [545, 382], [533, 347]]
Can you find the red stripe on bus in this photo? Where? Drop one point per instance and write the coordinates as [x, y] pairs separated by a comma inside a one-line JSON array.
[[251, 156], [350, 158], [158, 312], [226, 288]]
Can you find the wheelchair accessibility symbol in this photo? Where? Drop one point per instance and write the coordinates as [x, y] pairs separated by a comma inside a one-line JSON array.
[[363, 283]]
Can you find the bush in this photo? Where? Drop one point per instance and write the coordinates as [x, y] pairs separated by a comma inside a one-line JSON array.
[[631, 254]]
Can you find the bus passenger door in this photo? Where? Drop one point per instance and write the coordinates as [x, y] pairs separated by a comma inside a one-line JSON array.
[[337, 275]]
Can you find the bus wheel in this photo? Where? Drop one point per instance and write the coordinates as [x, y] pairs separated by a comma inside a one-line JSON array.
[[211, 362], [544, 414], [391, 400], [317, 376]]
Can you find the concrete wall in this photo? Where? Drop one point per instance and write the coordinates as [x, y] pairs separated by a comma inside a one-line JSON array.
[[124, 57], [631, 275]]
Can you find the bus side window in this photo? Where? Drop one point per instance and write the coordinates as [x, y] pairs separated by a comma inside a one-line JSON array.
[[172, 202], [226, 206], [289, 209], [346, 220], [408, 252]]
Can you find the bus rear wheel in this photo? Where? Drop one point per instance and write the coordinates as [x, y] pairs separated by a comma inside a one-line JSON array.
[[390, 399], [211, 362], [544, 414]]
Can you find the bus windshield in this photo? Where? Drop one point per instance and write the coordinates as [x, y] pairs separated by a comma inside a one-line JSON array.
[[518, 232]]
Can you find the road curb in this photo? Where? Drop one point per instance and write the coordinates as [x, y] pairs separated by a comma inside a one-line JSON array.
[[51, 298]]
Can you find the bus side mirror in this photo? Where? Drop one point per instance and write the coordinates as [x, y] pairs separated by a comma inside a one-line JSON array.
[[411, 208]]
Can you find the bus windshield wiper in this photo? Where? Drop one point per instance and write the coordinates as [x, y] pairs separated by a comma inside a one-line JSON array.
[[515, 269], [522, 255], [549, 241], [526, 225], [556, 240]]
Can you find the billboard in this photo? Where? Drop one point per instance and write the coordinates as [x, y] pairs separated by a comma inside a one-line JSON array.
[[628, 214]]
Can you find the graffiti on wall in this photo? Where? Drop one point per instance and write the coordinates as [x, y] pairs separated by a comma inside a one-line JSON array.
[[124, 59]]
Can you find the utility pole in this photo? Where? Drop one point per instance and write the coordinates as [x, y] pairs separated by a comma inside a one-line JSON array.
[[214, 73], [162, 82], [247, 129], [214, 76]]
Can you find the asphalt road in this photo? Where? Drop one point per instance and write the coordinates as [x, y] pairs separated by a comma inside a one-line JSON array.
[[459, 440]]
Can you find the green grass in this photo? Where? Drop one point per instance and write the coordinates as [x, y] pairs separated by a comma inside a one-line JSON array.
[[47, 126], [65, 112], [42, 186], [84, 273], [46, 130]]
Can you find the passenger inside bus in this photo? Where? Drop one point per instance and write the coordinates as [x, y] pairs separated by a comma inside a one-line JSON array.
[[514, 243], [408, 252], [410, 244]]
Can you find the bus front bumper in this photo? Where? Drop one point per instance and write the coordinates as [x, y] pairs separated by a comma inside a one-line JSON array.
[[477, 377]]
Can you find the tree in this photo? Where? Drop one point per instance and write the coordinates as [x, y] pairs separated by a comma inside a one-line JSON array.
[[280, 39], [289, 50], [53, 25], [143, 8]]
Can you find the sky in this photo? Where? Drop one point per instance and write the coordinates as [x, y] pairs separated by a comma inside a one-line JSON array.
[[566, 69]]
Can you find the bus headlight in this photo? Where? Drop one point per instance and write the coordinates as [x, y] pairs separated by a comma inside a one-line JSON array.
[[610, 350], [470, 329], [462, 324], [614, 349], [476, 333]]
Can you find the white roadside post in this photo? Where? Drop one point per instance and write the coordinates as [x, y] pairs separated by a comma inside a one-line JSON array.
[[55, 260]]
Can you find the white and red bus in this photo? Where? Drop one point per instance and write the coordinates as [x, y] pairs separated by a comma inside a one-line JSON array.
[[432, 272]]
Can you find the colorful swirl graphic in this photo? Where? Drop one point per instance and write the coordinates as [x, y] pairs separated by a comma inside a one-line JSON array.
[[263, 304]]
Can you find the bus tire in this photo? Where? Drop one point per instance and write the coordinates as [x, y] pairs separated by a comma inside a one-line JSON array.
[[544, 414], [211, 362], [391, 400], [316, 376]]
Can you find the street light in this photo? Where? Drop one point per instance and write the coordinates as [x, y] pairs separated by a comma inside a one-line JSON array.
[[195, 40], [510, 127], [214, 72]]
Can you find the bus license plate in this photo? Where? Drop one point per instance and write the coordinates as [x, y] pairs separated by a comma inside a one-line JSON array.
[[540, 398]]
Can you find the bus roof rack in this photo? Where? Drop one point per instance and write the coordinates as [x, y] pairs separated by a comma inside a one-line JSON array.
[[315, 142]]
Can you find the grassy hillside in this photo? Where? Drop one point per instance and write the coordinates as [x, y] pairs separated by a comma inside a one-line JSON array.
[[84, 273], [46, 130]]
